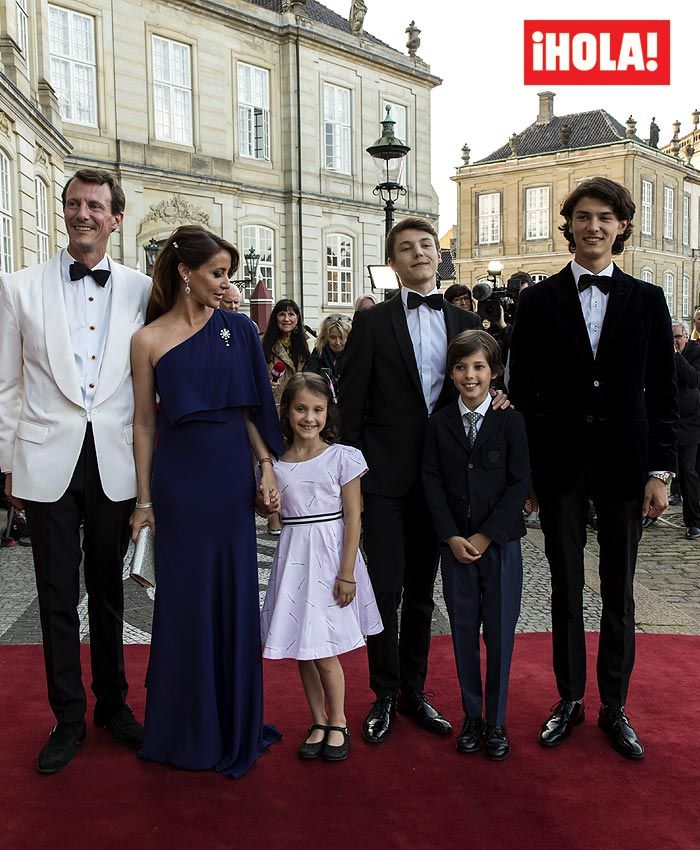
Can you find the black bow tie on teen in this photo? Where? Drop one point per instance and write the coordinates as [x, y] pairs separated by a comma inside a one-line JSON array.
[[433, 301], [79, 270], [602, 282]]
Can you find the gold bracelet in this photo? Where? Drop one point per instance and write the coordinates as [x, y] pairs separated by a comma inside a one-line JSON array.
[[263, 460]]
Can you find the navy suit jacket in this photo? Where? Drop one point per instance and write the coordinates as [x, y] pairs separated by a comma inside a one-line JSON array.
[[482, 488]]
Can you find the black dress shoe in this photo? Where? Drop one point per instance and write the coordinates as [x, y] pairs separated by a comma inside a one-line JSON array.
[[557, 728], [61, 746], [426, 715], [496, 743], [125, 728], [613, 721], [313, 751], [469, 738], [377, 724], [341, 752]]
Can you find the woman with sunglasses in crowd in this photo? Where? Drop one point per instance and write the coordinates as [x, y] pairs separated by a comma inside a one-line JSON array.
[[327, 357]]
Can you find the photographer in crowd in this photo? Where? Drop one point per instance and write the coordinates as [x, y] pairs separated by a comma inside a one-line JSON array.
[[687, 357]]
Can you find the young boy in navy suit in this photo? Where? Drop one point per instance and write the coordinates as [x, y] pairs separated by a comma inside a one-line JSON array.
[[476, 473]]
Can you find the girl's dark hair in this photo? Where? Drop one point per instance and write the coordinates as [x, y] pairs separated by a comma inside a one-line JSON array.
[[299, 349], [192, 246], [608, 191], [318, 386], [457, 290], [471, 342]]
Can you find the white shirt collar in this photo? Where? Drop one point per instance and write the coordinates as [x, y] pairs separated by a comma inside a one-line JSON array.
[[577, 270], [67, 260], [482, 409], [405, 290]]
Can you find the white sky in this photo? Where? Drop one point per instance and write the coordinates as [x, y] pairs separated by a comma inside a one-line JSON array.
[[476, 48]]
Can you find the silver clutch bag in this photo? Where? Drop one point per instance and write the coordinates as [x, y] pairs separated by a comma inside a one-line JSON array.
[[143, 561]]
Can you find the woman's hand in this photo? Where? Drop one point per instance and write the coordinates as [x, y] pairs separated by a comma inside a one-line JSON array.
[[344, 590], [139, 518]]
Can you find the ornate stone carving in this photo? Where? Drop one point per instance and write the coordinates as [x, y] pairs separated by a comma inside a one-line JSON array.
[[5, 124], [413, 42], [358, 10], [41, 157], [176, 210]]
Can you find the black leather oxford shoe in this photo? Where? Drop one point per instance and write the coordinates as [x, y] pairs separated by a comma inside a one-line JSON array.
[[61, 746], [377, 724], [613, 721], [565, 715], [469, 738], [496, 743], [416, 705], [125, 728]]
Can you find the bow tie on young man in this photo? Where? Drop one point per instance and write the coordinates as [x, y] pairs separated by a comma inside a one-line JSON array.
[[433, 301], [79, 270], [601, 281]]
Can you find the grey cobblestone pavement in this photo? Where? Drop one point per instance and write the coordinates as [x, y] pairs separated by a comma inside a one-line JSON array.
[[667, 588]]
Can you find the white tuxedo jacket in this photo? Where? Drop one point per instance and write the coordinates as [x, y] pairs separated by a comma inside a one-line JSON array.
[[42, 414]]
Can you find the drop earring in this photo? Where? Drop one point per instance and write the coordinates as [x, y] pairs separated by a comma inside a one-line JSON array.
[[187, 285]]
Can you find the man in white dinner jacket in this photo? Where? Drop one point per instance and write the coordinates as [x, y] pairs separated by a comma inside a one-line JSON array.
[[66, 411]]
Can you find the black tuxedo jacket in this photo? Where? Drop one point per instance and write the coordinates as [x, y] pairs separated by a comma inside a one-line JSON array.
[[688, 371], [614, 417], [381, 399], [482, 488]]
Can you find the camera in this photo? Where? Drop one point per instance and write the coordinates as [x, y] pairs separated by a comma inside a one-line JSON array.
[[492, 298]]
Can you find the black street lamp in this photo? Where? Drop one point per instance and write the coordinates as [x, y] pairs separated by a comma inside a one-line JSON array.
[[151, 249], [250, 260], [388, 154]]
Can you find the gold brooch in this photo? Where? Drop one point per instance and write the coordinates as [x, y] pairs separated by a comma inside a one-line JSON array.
[[225, 334]]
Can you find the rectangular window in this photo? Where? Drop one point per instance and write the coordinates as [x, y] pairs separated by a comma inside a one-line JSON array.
[[172, 91], [6, 253], [537, 213], [647, 207], [338, 269], [686, 220], [72, 47], [23, 27], [253, 111], [336, 128], [685, 297], [489, 209], [668, 212], [398, 114], [262, 240], [669, 291], [42, 221]]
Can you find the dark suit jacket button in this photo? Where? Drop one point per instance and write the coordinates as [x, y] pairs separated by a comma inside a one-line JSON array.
[[589, 419], [596, 383], [463, 498], [470, 466]]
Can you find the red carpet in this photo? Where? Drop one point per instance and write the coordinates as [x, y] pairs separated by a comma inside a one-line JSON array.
[[414, 791]]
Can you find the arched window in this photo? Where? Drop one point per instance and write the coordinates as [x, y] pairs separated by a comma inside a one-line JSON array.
[[339, 284], [647, 276], [6, 252], [537, 277], [263, 240], [670, 290], [43, 240]]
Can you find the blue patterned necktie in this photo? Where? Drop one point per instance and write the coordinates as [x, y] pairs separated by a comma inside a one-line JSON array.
[[471, 417]]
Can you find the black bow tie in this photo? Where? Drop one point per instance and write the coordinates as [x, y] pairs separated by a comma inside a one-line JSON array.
[[603, 283], [433, 301], [80, 270]]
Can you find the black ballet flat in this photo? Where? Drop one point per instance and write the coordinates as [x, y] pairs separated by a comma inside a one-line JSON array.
[[337, 753], [313, 751]]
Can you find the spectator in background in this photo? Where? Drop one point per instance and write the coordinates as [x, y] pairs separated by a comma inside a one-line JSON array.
[[327, 357], [364, 302], [459, 295], [695, 334], [688, 374], [231, 299]]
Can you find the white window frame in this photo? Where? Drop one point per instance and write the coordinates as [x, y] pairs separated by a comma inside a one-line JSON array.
[[172, 90], [6, 219], [399, 114], [647, 217], [669, 201], [43, 237], [685, 296], [488, 205], [685, 220], [670, 291], [263, 240], [537, 212], [23, 28], [538, 277], [253, 111], [337, 128], [73, 65], [647, 275], [339, 248]]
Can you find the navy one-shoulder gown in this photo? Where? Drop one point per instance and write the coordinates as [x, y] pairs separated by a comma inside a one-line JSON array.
[[204, 684]]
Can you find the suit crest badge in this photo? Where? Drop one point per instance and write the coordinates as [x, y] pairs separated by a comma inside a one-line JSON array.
[[493, 455]]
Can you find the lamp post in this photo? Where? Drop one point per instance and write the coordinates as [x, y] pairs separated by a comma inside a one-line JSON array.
[[250, 260], [388, 154], [151, 249]]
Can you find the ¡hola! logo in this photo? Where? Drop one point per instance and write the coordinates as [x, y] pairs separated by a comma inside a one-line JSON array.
[[613, 53]]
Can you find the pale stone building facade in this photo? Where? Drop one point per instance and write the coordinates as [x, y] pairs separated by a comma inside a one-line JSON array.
[[248, 116], [508, 202]]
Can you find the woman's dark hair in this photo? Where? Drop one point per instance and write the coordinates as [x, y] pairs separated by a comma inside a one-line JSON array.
[[457, 290], [608, 191], [192, 246], [472, 342], [299, 348], [318, 386]]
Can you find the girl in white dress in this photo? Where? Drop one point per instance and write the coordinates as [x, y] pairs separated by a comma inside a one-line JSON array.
[[319, 602]]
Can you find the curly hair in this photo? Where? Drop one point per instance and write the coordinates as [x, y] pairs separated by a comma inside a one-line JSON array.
[[343, 324], [320, 387], [608, 191]]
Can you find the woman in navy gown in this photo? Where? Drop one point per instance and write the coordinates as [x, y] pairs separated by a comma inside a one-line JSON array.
[[197, 490]]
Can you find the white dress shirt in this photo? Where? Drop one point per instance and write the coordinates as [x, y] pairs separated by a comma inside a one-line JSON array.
[[594, 303], [87, 310], [482, 410], [429, 337]]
